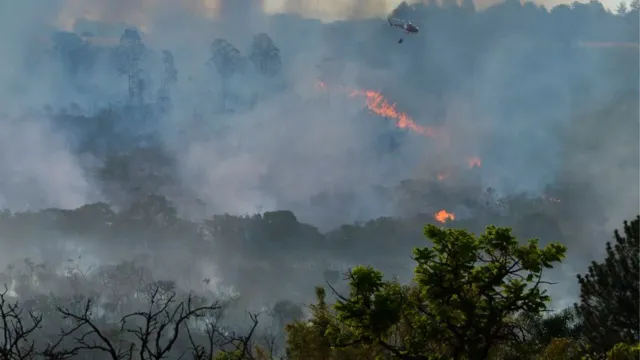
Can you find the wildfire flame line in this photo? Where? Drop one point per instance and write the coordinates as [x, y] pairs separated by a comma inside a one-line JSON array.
[[380, 106], [377, 104]]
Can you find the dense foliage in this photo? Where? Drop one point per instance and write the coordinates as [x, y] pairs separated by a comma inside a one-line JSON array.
[[471, 297], [609, 291]]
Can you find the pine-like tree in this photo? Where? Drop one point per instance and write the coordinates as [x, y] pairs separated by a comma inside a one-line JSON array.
[[265, 55], [169, 78], [609, 293], [227, 60], [622, 9]]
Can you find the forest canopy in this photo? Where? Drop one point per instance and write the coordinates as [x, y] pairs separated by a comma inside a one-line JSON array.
[[471, 297]]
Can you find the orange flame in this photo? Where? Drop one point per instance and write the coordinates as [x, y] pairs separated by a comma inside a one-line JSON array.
[[443, 176], [474, 162], [380, 106], [442, 216], [377, 104]]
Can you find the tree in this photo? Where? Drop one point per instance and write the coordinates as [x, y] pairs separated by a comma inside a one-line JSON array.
[[286, 311], [21, 334], [74, 53], [561, 325], [151, 210], [153, 331], [463, 302], [561, 349], [160, 321], [468, 5], [169, 78], [624, 352], [279, 226], [227, 61], [265, 56], [543, 337], [308, 340], [120, 283], [88, 219], [143, 170], [16, 332], [129, 56], [240, 347], [622, 9], [226, 58], [609, 293]]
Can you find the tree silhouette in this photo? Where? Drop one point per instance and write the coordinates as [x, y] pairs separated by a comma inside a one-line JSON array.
[[265, 56], [73, 52], [155, 329], [462, 304], [16, 332], [609, 299], [129, 56], [169, 77], [622, 9], [227, 60]]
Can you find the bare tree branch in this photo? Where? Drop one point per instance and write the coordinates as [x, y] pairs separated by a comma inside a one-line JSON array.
[[241, 344], [204, 352], [91, 338], [16, 343], [160, 326]]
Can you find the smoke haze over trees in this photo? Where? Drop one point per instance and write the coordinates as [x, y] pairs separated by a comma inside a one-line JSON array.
[[249, 157]]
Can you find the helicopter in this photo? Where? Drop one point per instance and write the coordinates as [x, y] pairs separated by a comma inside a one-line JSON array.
[[406, 25]]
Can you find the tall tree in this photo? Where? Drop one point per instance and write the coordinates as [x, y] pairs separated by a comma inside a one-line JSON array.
[[227, 61], [74, 53], [545, 334], [129, 56], [463, 302], [169, 77], [633, 19], [622, 9], [609, 293], [265, 56], [308, 340]]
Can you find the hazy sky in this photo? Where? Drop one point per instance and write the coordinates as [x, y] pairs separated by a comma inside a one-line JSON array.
[[326, 10], [329, 9]]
